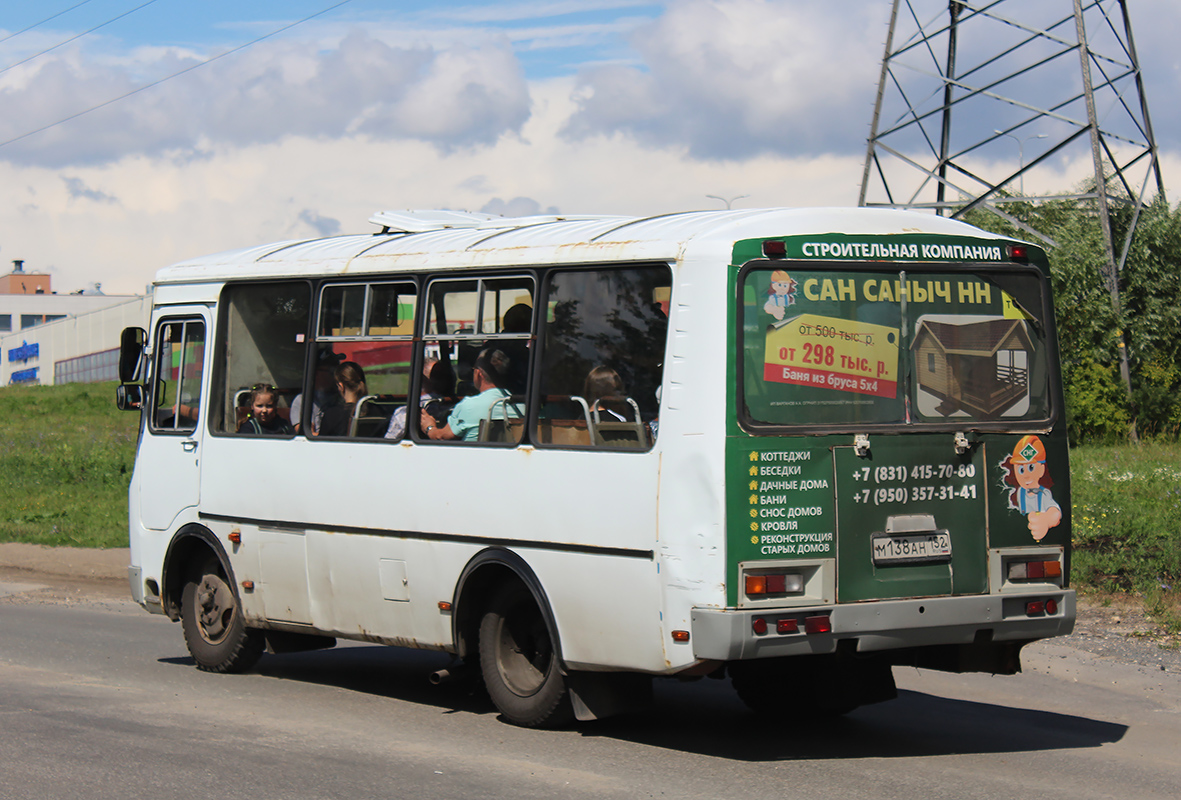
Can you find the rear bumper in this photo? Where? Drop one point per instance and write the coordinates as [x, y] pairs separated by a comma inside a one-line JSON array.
[[729, 634]]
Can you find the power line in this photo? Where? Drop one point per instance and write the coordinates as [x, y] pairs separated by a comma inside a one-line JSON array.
[[76, 37], [42, 22], [174, 75]]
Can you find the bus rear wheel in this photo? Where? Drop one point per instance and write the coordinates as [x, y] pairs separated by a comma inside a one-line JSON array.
[[215, 633], [520, 663]]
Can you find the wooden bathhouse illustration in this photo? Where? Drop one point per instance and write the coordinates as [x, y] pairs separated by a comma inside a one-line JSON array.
[[978, 367]]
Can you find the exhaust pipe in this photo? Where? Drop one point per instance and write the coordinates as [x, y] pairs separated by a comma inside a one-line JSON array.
[[455, 673]]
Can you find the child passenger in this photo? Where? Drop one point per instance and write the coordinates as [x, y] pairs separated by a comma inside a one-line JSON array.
[[263, 416]]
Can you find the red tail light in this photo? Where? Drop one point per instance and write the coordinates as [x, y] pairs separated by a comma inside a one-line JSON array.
[[818, 625], [1035, 570], [761, 585]]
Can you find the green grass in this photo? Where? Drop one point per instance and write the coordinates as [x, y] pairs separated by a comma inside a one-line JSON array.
[[66, 455], [1127, 524]]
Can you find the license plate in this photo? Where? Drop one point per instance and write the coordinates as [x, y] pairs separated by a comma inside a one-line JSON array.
[[911, 548]]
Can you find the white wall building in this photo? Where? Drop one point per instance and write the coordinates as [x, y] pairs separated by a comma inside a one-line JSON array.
[[80, 344]]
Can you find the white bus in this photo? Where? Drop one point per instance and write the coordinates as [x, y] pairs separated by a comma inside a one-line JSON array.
[[797, 447]]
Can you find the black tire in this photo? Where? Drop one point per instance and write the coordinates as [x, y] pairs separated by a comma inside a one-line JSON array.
[[215, 633], [521, 667]]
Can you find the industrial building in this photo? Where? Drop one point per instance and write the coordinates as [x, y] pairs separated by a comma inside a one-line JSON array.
[[48, 338]]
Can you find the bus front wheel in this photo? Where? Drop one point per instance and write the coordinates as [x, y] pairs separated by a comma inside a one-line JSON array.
[[215, 633], [520, 663]]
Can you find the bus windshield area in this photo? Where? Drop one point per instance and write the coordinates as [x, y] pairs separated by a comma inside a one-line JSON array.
[[835, 347]]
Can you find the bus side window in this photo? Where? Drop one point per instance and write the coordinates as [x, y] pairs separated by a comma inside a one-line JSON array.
[[180, 356], [485, 324], [264, 328], [602, 359], [366, 330]]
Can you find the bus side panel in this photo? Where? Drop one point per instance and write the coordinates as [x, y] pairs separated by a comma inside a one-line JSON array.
[[386, 529], [691, 502]]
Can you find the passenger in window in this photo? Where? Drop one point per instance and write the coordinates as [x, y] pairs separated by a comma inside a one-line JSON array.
[[324, 393], [436, 382], [491, 367], [180, 416], [604, 392], [350, 382], [518, 319], [264, 417]]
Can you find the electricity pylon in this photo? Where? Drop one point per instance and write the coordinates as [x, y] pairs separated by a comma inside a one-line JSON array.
[[961, 81]]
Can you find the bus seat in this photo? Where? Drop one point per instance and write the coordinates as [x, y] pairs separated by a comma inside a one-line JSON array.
[[570, 432], [505, 416], [611, 432], [565, 420], [369, 420]]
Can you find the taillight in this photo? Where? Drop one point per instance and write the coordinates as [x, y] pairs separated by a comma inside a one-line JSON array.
[[818, 625], [1034, 570], [787, 626], [1035, 608], [776, 583]]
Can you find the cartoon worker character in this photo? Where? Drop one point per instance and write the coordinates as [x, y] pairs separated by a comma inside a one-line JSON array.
[[780, 295], [1025, 469]]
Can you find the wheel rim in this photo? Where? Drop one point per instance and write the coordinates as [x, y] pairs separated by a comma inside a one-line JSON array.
[[524, 654], [215, 609]]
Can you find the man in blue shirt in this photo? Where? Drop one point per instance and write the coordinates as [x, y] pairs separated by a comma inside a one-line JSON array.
[[464, 423]]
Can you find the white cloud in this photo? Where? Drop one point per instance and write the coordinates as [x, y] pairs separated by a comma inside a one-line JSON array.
[[298, 138], [732, 78], [238, 196], [460, 95]]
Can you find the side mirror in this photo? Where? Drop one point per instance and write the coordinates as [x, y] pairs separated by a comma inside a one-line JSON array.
[[131, 352], [129, 397]]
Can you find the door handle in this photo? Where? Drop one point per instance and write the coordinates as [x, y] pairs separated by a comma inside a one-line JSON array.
[[189, 445]]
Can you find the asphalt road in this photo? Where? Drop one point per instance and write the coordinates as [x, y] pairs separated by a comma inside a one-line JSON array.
[[98, 700]]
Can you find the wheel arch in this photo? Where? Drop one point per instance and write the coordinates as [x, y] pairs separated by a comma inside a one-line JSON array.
[[481, 577], [188, 543]]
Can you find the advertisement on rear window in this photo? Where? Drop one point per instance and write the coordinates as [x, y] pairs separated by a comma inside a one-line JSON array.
[[834, 347]]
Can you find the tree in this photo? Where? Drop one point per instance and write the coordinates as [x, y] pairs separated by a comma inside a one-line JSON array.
[[1098, 407]]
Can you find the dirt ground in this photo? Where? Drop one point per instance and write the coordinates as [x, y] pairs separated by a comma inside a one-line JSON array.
[[1113, 626], [66, 573]]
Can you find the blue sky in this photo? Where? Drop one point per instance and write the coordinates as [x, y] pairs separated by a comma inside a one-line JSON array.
[[550, 38], [516, 107]]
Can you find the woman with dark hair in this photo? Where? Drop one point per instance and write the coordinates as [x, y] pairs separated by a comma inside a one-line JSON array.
[[350, 382], [602, 390]]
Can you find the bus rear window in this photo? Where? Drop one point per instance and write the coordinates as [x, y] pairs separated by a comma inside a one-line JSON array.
[[836, 347]]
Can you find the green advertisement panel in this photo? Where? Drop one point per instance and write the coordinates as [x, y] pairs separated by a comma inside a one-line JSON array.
[[913, 342], [780, 499]]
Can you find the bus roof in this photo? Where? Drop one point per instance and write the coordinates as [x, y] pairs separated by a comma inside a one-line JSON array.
[[442, 239]]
